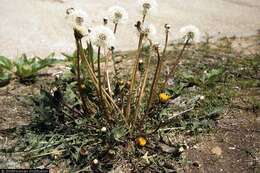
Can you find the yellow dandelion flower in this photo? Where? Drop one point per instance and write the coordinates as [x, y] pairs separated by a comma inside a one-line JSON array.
[[164, 98], [141, 141]]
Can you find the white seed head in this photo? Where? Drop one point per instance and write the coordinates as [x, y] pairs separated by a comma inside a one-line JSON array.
[[103, 129], [148, 6], [117, 14], [167, 27], [149, 31], [78, 20], [191, 32], [102, 36]]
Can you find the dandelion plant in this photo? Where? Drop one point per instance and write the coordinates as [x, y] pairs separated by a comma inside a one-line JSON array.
[[133, 99]]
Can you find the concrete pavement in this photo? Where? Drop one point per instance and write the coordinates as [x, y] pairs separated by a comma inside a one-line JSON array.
[[38, 27]]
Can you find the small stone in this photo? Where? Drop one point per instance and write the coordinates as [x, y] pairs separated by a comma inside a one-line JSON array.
[[103, 129], [216, 150], [168, 149], [95, 161], [232, 148], [181, 149]]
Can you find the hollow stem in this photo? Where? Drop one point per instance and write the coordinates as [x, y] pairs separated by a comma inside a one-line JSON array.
[[144, 16], [99, 79], [141, 92], [78, 41], [107, 77], [133, 77], [108, 99], [177, 61], [90, 48], [158, 71], [114, 64], [155, 79], [115, 28]]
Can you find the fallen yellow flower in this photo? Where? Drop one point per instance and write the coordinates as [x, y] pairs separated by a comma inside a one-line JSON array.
[[141, 141], [164, 98]]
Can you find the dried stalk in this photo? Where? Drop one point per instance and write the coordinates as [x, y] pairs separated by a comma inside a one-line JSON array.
[[115, 28], [157, 71], [91, 57], [177, 61], [99, 83], [133, 77], [141, 93], [107, 76], [78, 41], [107, 98], [154, 83], [143, 20]]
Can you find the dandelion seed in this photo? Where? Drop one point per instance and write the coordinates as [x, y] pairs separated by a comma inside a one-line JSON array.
[[190, 32], [148, 6], [117, 14], [78, 20], [103, 37], [149, 31]]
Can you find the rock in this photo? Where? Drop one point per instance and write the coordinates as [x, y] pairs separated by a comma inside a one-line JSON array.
[[168, 149], [217, 151]]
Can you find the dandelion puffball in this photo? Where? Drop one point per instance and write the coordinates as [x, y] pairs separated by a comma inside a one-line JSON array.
[[77, 19], [117, 14], [190, 31], [149, 31], [103, 37], [148, 6]]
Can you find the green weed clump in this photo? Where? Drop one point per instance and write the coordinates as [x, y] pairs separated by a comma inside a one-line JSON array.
[[24, 68]]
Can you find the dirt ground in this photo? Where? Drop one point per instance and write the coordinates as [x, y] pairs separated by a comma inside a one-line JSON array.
[[233, 146]]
